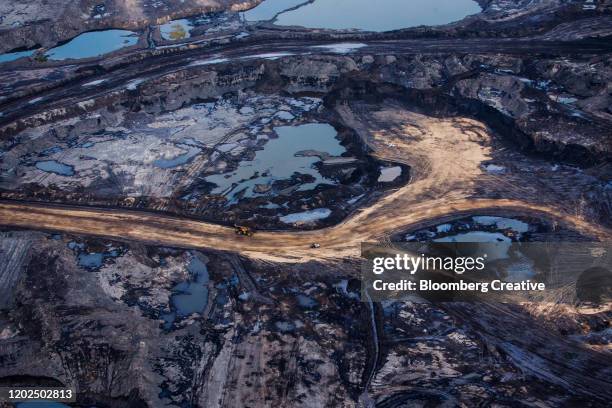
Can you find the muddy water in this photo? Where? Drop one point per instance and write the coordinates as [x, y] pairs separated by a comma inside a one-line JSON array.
[[279, 160], [93, 44], [368, 15]]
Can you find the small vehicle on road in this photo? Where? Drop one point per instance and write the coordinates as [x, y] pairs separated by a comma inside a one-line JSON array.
[[243, 230]]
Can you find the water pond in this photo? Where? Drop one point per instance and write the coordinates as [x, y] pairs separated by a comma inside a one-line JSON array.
[[190, 296], [53, 166], [367, 15], [12, 56], [93, 44], [279, 160]]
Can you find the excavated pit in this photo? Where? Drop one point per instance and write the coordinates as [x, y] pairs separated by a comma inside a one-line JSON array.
[[160, 143], [245, 158], [510, 105]]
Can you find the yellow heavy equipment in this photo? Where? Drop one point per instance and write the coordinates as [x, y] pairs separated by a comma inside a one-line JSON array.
[[242, 230]]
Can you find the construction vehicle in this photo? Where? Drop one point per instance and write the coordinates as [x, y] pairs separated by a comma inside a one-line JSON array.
[[243, 230], [315, 245]]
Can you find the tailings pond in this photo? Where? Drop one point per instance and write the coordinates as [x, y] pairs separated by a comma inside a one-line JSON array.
[[295, 151], [12, 56], [367, 15], [93, 44]]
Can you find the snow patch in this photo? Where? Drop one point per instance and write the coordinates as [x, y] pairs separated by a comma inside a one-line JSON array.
[[341, 48]]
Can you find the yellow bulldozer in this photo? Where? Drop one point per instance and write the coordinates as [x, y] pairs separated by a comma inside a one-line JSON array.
[[242, 230]]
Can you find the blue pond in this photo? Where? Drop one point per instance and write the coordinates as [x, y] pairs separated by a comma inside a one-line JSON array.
[[52, 166], [91, 261], [368, 15], [93, 44], [191, 296], [95, 260], [12, 56], [306, 301]]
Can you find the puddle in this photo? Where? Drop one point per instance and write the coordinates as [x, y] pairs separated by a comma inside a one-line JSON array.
[[306, 301], [176, 29], [501, 231], [306, 216], [181, 159], [285, 327], [475, 236], [503, 223], [92, 260], [269, 55], [52, 166], [279, 161], [382, 15], [190, 296], [12, 56], [497, 251], [481, 228], [95, 260], [494, 168], [389, 174], [444, 228], [93, 44]]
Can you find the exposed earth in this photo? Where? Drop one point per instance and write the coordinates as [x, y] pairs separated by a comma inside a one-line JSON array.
[[124, 173]]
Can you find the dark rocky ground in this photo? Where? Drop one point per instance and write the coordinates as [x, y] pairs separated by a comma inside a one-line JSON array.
[[268, 335], [94, 314], [31, 23]]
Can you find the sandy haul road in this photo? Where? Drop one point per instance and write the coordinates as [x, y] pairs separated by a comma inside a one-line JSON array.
[[445, 156]]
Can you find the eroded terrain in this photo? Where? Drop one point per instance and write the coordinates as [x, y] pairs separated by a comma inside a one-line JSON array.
[[126, 167], [263, 334]]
